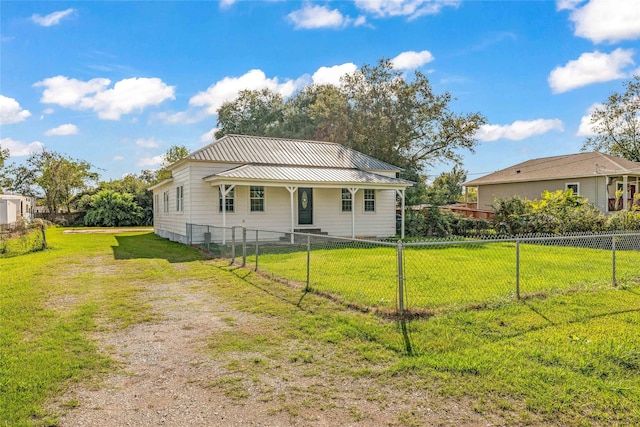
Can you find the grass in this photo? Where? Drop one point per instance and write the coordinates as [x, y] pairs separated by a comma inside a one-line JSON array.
[[450, 276], [563, 359]]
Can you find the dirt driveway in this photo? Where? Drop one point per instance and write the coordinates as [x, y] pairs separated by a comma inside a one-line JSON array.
[[166, 377]]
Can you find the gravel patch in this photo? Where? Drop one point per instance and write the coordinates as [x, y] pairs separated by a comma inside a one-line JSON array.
[[165, 377]]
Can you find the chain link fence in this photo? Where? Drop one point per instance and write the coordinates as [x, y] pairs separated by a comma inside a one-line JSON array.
[[429, 276]]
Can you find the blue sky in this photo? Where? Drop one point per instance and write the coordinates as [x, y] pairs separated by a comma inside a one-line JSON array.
[[117, 83]]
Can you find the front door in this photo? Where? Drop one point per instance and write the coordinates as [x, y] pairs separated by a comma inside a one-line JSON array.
[[305, 206]]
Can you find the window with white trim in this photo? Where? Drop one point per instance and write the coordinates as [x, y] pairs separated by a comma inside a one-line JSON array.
[[369, 200], [165, 201], [256, 198], [228, 200], [180, 199], [346, 200], [575, 186], [156, 203]]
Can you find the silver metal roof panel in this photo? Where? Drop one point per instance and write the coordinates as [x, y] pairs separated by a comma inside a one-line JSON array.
[[292, 152]]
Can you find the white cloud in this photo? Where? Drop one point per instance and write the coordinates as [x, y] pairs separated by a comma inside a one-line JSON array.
[[225, 4], [11, 112], [592, 67], [332, 75], [411, 8], [209, 136], [126, 95], [228, 88], [151, 161], [585, 128], [606, 20], [52, 18], [147, 143], [311, 17], [410, 60], [118, 158], [20, 149], [520, 129], [66, 129], [567, 4]]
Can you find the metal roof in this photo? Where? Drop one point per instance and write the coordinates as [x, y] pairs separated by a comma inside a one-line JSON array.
[[291, 152], [274, 173], [568, 166]]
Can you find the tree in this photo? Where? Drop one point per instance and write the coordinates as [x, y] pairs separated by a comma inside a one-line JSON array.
[[254, 112], [53, 176], [109, 208], [174, 154], [616, 123], [376, 110], [4, 155], [447, 187]]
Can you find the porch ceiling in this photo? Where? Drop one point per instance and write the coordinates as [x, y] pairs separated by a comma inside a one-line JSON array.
[[305, 176]]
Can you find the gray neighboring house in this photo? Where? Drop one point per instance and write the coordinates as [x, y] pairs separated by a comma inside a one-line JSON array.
[[282, 185], [593, 175]]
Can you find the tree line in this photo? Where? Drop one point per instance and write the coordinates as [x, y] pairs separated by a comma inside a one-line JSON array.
[[376, 110]]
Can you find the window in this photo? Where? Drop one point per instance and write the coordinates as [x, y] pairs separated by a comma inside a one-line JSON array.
[[346, 200], [256, 198], [165, 201], [575, 186], [180, 199], [228, 199], [369, 200], [156, 203]]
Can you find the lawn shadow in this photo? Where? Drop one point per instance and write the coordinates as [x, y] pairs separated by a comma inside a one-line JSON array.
[[150, 246]]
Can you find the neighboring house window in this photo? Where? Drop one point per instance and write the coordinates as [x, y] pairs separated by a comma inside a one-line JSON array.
[[369, 200], [346, 200], [256, 198], [156, 203], [165, 203], [228, 200], [575, 186], [180, 198]]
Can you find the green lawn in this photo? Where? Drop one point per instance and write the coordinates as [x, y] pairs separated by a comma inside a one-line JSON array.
[[563, 359], [453, 275]]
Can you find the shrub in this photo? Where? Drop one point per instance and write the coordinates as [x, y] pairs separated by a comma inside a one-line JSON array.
[[624, 221], [112, 209]]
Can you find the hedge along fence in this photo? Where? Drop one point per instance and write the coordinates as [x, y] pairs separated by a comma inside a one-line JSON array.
[[430, 276], [21, 238]]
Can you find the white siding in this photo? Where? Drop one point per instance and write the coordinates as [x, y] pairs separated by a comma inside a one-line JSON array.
[[201, 206]]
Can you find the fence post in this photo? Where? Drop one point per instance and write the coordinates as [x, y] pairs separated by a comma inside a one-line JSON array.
[[257, 250], [613, 260], [43, 229], [518, 269], [233, 245], [308, 261], [400, 279], [244, 246]]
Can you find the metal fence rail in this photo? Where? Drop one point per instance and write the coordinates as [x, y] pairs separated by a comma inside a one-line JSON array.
[[433, 275]]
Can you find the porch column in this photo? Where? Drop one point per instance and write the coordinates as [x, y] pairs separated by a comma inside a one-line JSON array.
[[606, 194], [624, 192], [401, 193], [224, 191], [291, 191], [353, 192]]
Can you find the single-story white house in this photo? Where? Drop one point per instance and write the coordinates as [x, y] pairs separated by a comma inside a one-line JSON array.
[[278, 184], [16, 207], [608, 182]]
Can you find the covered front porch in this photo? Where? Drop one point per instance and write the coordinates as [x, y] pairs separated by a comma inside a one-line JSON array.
[[341, 202], [622, 192]]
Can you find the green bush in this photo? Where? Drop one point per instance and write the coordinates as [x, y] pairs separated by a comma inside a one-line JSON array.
[[557, 212], [624, 221], [109, 208]]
